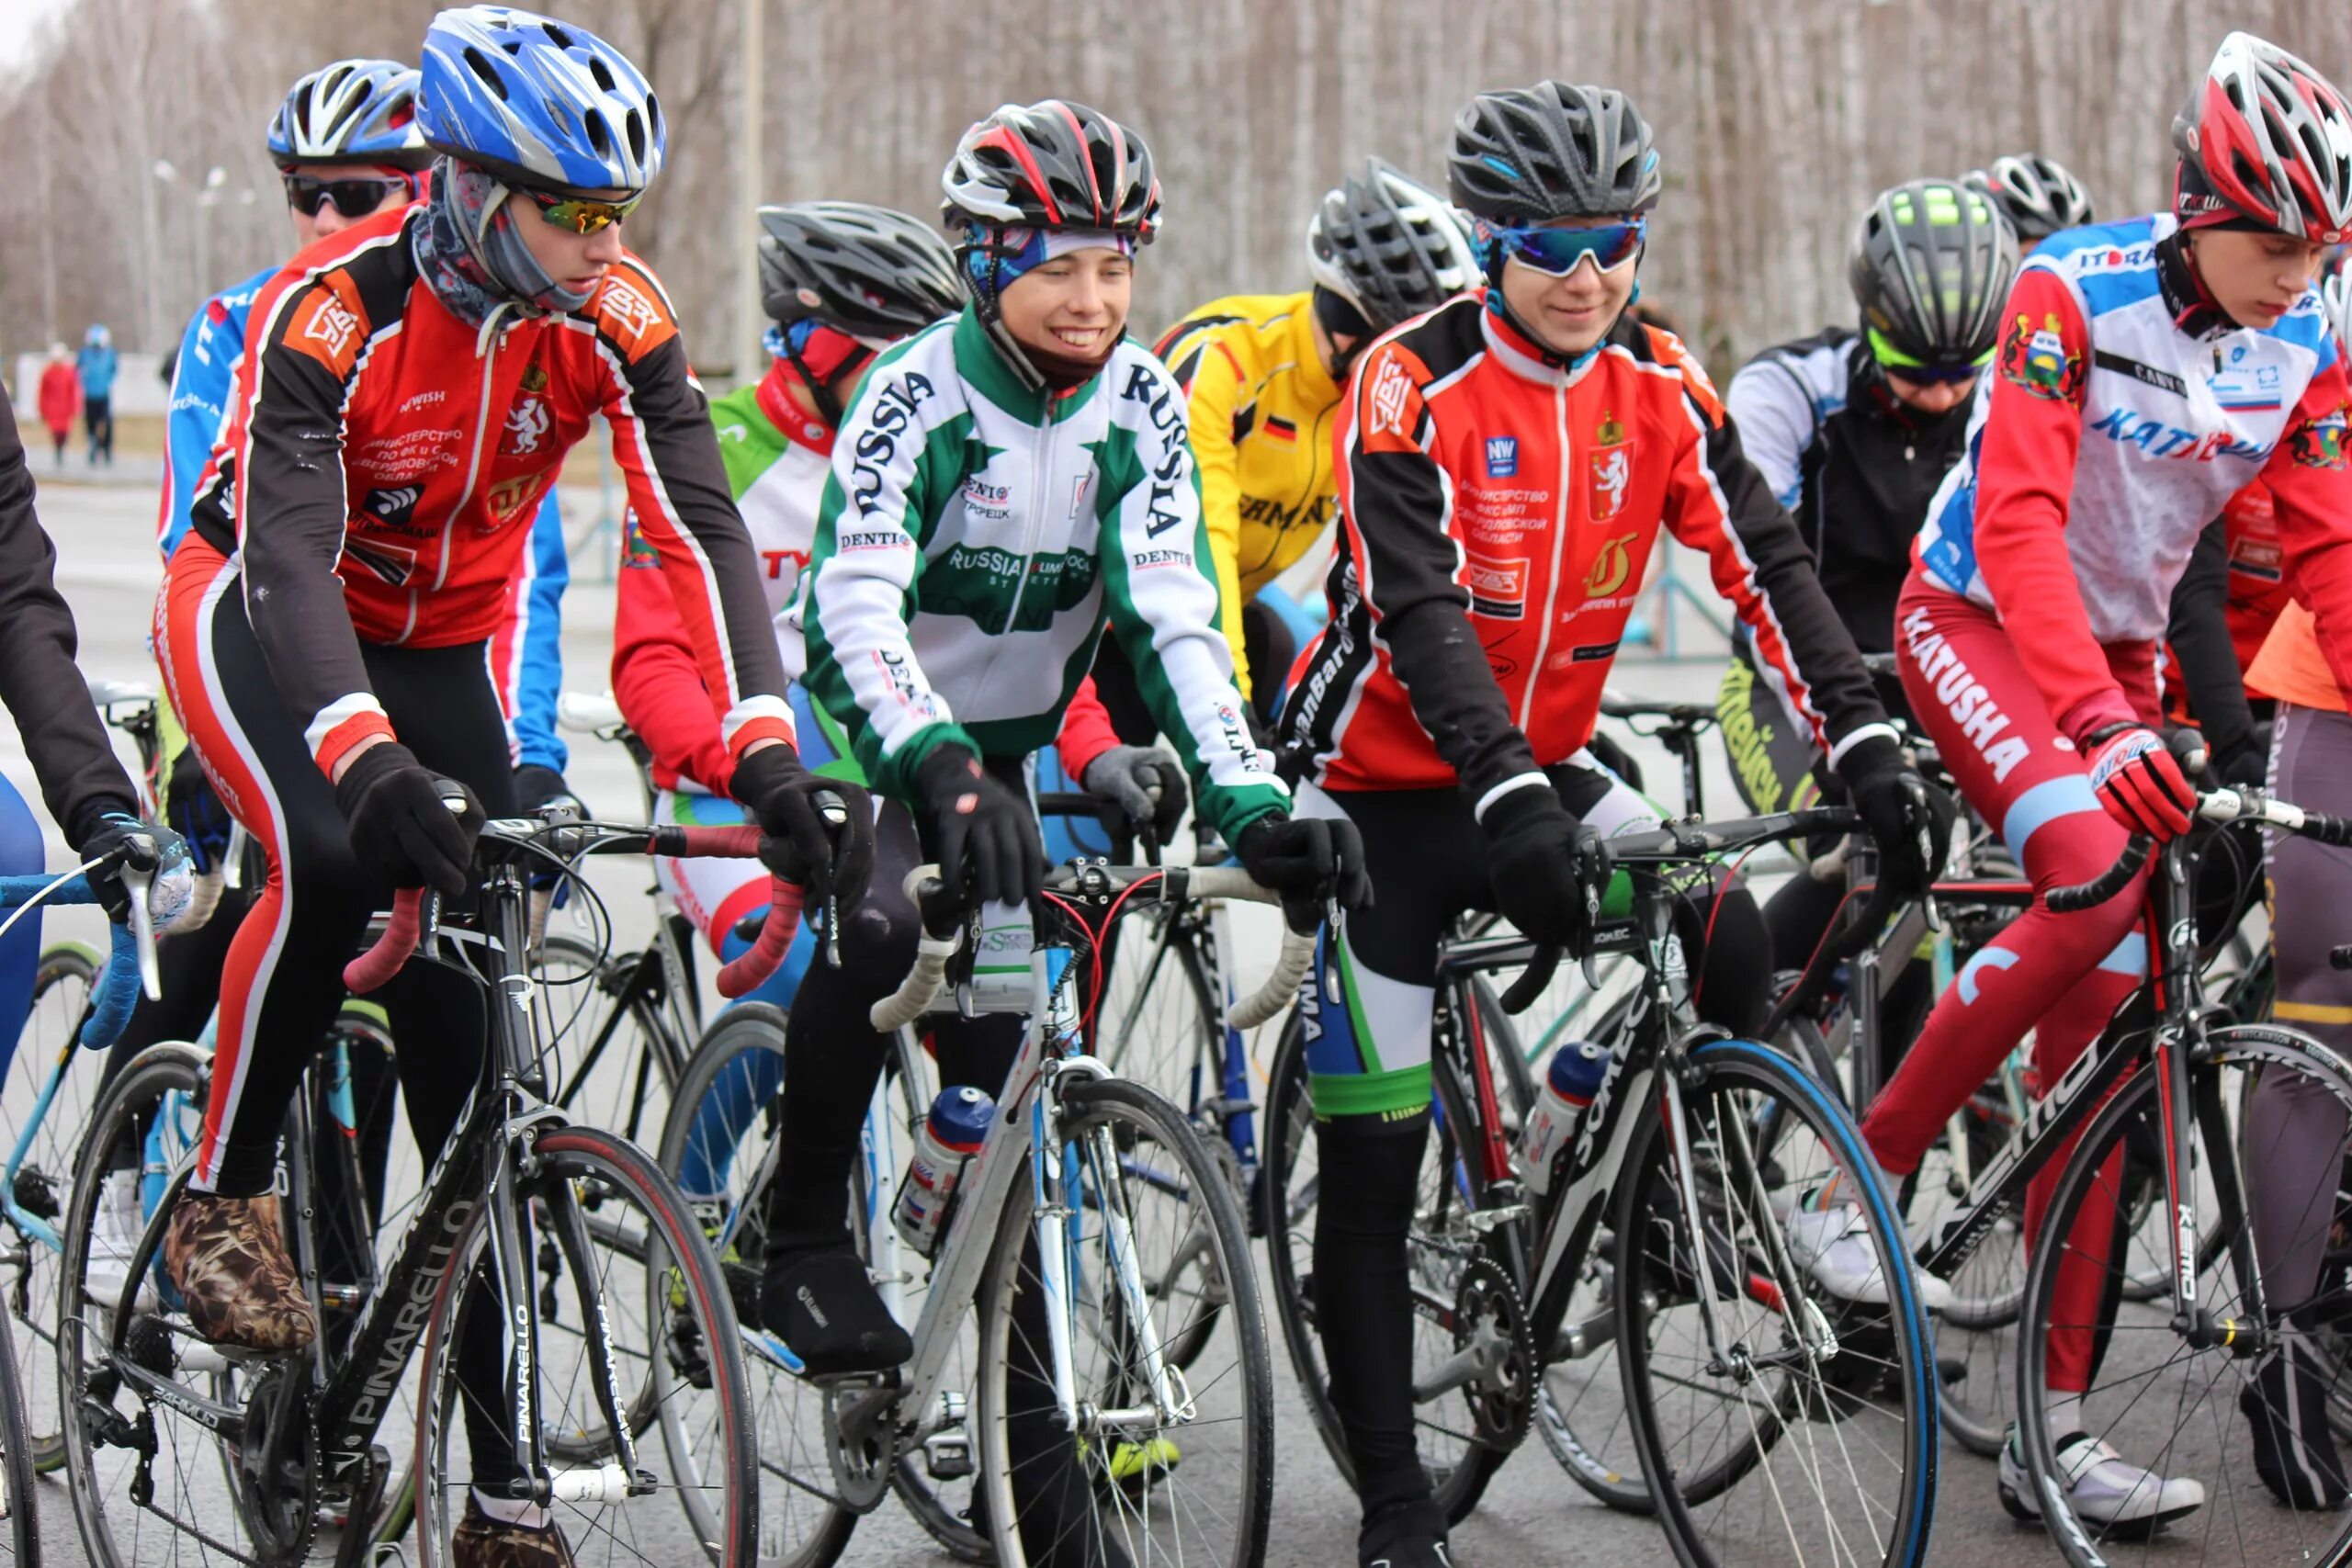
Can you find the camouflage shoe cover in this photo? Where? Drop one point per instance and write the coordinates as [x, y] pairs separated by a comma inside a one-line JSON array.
[[482, 1541], [228, 1257]]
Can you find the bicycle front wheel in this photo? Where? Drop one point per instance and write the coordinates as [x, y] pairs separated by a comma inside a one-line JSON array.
[[1796, 1428], [20, 1506], [626, 1296], [1168, 1464]]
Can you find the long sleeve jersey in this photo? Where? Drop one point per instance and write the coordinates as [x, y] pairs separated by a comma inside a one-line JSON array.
[[1500, 510], [381, 457], [973, 536], [2124, 413]]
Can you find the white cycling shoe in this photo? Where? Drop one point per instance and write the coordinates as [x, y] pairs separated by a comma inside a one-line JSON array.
[[1833, 1245], [2103, 1488], [114, 1241]]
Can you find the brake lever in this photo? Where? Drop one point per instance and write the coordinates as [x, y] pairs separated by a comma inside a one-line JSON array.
[[1592, 875], [135, 881], [834, 811]]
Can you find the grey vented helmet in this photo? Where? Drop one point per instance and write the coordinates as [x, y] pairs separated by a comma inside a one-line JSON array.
[[1525, 155], [1389, 246], [2037, 195], [869, 271], [1930, 264]]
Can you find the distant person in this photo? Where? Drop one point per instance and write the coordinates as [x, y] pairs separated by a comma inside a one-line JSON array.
[[98, 367], [61, 394]]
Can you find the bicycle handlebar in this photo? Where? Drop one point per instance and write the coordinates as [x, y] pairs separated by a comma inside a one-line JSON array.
[[924, 886], [2217, 806], [115, 992]]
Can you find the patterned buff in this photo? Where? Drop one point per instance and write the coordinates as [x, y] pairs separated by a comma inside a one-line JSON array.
[[470, 255], [996, 257]]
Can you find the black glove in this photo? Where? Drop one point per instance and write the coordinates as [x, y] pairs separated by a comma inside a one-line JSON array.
[[834, 861], [536, 784], [196, 814], [1534, 851], [1310, 861], [1144, 783], [1908, 819], [2245, 765], [401, 832], [981, 833], [141, 849]]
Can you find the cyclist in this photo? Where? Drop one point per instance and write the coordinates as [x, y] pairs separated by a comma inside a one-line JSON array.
[[1853, 429], [1002, 480], [1508, 461], [2037, 195], [410, 386], [840, 280], [1262, 374], [2148, 369]]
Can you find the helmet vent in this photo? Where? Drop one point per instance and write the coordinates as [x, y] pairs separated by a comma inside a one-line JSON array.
[[601, 73], [562, 40], [480, 66]]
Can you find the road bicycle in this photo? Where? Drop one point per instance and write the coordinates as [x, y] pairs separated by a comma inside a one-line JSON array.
[[554, 1261], [1795, 1428], [1117, 1337]]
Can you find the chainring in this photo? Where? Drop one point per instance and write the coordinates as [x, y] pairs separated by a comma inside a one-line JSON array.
[[277, 1488], [1489, 1316], [859, 1433]]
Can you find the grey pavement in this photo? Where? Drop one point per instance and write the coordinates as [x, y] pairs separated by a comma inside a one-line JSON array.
[[1530, 1514]]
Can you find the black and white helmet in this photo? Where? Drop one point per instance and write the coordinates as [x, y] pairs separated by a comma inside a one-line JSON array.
[[1930, 264], [1527, 154], [2037, 195], [1052, 164], [866, 270], [354, 111], [1389, 246]]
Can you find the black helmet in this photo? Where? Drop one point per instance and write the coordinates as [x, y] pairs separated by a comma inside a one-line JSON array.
[[2035, 194], [1930, 265], [866, 270], [1527, 155], [1052, 164], [1389, 246]]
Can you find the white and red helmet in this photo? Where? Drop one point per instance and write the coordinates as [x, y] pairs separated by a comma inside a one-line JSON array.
[[2267, 138]]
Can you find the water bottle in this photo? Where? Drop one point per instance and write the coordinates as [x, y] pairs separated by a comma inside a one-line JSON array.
[[952, 1133], [1570, 1083]]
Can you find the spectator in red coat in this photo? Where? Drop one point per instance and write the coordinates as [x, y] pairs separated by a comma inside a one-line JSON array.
[[60, 397]]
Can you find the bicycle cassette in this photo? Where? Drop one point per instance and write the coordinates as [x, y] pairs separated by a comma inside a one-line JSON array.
[[1490, 1328]]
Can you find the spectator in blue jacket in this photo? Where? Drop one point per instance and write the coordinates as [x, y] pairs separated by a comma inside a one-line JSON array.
[[97, 368]]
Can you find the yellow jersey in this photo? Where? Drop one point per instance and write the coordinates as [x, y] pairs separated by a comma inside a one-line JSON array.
[[1261, 408]]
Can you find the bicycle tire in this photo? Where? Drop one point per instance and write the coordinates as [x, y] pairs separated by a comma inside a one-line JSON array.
[[787, 1410], [2313, 1536], [722, 1505], [1239, 1441], [62, 983], [20, 1505], [1288, 1132], [1879, 1346]]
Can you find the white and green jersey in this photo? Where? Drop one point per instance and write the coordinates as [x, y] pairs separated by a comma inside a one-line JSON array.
[[974, 535]]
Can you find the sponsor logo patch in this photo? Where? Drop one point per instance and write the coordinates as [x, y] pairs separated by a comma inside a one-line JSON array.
[[1497, 588], [1502, 456]]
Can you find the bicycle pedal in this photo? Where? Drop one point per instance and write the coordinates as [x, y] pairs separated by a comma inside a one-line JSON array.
[[947, 1456]]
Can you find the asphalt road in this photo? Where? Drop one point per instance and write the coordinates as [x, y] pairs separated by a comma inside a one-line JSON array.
[[1530, 1514]]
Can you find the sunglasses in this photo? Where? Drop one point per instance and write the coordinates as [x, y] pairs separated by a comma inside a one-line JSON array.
[[359, 196], [1892, 359], [579, 214], [1559, 252]]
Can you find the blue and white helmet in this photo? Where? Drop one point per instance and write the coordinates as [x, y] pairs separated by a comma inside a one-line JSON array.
[[354, 111], [538, 101]]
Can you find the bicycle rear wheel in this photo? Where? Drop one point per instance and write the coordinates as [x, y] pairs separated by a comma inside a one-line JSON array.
[[19, 1503], [46, 1047], [613, 1241], [1458, 1465], [1798, 1429], [1181, 1471], [2179, 1404], [615, 1059]]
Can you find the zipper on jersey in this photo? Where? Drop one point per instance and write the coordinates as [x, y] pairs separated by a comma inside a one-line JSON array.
[[473, 464], [1038, 468], [1559, 542]]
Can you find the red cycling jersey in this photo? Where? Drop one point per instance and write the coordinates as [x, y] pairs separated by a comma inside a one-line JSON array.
[[1500, 510], [382, 463]]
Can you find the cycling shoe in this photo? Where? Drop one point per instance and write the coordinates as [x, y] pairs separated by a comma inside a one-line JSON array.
[[826, 1312]]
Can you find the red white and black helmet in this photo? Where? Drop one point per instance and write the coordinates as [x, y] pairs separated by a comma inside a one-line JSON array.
[[2265, 137], [1052, 164]]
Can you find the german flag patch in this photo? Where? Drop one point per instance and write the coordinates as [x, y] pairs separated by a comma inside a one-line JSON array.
[[1281, 429]]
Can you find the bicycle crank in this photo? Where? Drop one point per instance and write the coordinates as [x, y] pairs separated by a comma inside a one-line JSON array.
[[859, 1441], [1493, 1360], [277, 1481]]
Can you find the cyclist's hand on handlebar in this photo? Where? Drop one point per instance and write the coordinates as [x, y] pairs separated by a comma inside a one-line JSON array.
[[536, 784], [1536, 858], [120, 840], [2139, 781], [982, 834], [1143, 783], [402, 831], [835, 860], [1311, 861], [1909, 818]]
